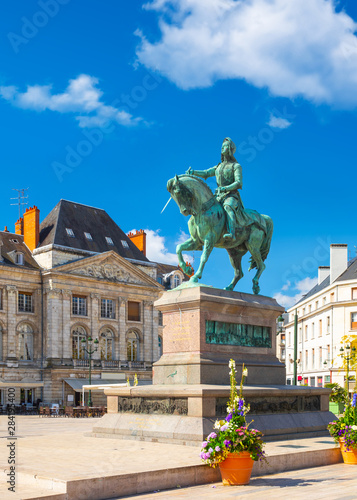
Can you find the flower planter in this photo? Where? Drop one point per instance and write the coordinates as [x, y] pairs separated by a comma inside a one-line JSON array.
[[236, 469], [349, 456]]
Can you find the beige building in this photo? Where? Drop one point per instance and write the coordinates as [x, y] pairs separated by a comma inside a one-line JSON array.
[[327, 320], [75, 276]]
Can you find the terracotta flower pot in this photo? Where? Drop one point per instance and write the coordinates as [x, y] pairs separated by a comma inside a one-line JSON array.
[[349, 456], [236, 468]]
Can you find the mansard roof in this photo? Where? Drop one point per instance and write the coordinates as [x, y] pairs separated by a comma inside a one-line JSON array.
[[11, 245], [83, 219], [348, 274]]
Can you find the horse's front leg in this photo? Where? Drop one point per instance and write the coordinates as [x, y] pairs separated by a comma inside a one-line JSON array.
[[207, 249], [190, 244]]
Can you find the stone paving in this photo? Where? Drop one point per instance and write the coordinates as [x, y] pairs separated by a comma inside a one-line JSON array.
[[332, 482], [58, 449]]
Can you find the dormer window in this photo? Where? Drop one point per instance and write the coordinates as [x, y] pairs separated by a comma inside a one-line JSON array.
[[19, 258], [15, 241], [88, 236], [124, 243], [109, 240], [70, 232]]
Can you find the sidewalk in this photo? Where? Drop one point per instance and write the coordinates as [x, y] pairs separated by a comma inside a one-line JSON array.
[[56, 460]]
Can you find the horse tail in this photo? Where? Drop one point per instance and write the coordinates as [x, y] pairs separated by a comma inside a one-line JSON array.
[[264, 249]]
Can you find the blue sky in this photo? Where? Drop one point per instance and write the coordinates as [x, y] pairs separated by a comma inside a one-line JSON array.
[[103, 102]]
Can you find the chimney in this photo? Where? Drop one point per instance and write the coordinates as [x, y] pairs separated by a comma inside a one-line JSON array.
[[19, 226], [324, 271], [139, 240], [338, 260], [6, 229], [31, 225]]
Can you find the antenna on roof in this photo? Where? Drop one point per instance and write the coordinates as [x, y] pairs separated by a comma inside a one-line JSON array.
[[21, 197]]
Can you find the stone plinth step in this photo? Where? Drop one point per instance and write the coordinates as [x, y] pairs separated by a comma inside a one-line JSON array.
[[282, 456]]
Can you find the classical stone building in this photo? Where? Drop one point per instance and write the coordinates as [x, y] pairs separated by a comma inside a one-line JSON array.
[[74, 276], [326, 321]]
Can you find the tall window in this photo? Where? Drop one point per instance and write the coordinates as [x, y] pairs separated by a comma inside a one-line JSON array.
[[328, 324], [177, 280], [328, 352], [354, 321], [313, 330], [106, 344], [320, 328], [306, 332], [25, 302], [160, 345], [79, 305], [132, 346], [107, 308], [320, 357], [306, 359], [313, 359], [25, 342], [160, 319], [133, 311], [282, 338], [354, 294], [332, 297], [78, 334]]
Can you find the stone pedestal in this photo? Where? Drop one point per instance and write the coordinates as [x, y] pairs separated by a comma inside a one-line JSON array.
[[203, 329]]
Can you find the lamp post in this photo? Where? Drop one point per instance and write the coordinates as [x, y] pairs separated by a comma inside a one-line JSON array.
[[90, 351], [350, 354]]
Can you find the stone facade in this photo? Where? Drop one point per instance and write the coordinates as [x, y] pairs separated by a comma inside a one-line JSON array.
[[53, 322]]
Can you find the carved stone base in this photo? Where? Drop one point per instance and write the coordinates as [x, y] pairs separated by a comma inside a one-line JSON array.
[[185, 414]]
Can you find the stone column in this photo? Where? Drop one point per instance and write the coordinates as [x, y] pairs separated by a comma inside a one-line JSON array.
[[94, 320], [11, 322], [66, 324], [54, 323], [122, 328], [148, 331]]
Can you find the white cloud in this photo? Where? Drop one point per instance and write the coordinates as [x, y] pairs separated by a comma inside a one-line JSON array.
[[292, 47], [156, 247], [82, 97], [276, 122], [303, 286]]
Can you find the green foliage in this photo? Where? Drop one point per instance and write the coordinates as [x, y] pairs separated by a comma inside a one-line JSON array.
[[338, 394]]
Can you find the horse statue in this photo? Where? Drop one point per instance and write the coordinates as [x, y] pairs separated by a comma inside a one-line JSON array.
[[208, 225]]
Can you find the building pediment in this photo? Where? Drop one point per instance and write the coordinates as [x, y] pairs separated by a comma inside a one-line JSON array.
[[108, 267]]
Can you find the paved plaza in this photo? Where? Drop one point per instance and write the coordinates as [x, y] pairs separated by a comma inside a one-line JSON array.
[[57, 460], [332, 482]]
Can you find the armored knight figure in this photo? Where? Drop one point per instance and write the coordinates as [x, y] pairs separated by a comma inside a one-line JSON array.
[[229, 179]]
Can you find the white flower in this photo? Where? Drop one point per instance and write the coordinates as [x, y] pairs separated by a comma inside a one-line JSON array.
[[232, 363], [354, 427], [217, 425], [229, 409], [245, 372]]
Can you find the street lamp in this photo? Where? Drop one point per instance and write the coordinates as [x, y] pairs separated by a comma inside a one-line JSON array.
[[349, 357], [90, 351], [280, 321]]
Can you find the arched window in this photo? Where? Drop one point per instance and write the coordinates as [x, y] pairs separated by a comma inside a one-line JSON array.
[[106, 342], [160, 345], [132, 346], [25, 342], [78, 334]]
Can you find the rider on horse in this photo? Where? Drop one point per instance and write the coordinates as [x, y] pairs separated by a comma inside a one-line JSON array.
[[229, 179]]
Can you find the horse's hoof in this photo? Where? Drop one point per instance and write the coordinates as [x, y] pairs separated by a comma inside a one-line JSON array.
[[256, 289]]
